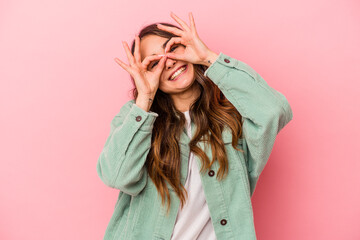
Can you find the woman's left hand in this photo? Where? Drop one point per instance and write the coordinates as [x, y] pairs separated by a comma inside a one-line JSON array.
[[196, 51]]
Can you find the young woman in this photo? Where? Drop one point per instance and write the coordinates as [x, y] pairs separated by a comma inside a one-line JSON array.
[[187, 151]]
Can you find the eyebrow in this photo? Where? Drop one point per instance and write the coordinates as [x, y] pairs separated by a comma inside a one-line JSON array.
[[164, 45]]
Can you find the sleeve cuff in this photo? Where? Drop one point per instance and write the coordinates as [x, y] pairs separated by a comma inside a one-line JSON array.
[[140, 117]]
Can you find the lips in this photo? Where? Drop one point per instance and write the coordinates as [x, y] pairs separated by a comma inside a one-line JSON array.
[[175, 71]]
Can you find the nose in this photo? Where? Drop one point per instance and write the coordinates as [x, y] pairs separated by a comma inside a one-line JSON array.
[[170, 63]]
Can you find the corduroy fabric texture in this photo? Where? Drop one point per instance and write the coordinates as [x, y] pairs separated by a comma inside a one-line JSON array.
[[138, 213]]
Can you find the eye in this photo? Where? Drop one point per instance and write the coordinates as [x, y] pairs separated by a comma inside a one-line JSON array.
[[173, 48], [154, 65]]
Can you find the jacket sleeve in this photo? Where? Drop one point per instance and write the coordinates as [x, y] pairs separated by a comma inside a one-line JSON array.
[[265, 111], [121, 164]]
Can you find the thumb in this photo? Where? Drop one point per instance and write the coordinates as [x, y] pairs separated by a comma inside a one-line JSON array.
[[175, 56]]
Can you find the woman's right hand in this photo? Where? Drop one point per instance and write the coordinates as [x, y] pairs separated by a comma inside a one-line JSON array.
[[146, 80]]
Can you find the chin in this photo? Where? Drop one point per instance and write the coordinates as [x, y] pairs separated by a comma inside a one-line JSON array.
[[179, 87]]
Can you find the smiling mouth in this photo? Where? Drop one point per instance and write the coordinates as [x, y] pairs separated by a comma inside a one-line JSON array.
[[178, 73]]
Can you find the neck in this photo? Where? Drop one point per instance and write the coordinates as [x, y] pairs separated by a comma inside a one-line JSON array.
[[184, 99]]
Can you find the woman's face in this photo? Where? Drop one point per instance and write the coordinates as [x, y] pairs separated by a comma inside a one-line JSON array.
[[154, 45]]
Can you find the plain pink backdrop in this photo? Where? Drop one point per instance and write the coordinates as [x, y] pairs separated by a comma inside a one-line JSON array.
[[60, 89]]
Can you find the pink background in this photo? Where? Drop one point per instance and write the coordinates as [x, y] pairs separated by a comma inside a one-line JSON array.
[[60, 89]]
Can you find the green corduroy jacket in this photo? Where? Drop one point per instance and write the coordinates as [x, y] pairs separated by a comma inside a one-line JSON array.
[[138, 212]]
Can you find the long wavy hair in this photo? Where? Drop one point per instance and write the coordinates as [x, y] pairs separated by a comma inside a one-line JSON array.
[[210, 113]]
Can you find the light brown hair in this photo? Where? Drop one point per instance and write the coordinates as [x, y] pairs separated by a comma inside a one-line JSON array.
[[210, 113]]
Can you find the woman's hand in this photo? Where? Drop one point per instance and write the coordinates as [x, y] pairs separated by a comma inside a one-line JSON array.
[[196, 51], [146, 81]]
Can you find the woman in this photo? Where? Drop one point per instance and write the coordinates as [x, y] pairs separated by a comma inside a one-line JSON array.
[[195, 114]]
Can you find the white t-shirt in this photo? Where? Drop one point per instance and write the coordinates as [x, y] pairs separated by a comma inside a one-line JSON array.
[[193, 222]]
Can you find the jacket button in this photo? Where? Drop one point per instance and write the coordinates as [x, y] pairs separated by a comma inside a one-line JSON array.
[[211, 173], [226, 60], [138, 118], [223, 221]]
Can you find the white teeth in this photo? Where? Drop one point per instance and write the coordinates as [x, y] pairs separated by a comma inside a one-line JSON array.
[[177, 73]]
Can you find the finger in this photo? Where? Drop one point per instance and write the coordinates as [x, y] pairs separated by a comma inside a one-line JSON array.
[[175, 56], [149, 59], [128, 53], [192, 22], [173, 30], [174, 40], [159, 68], [137, 49], [179, 21], [122, 64]]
